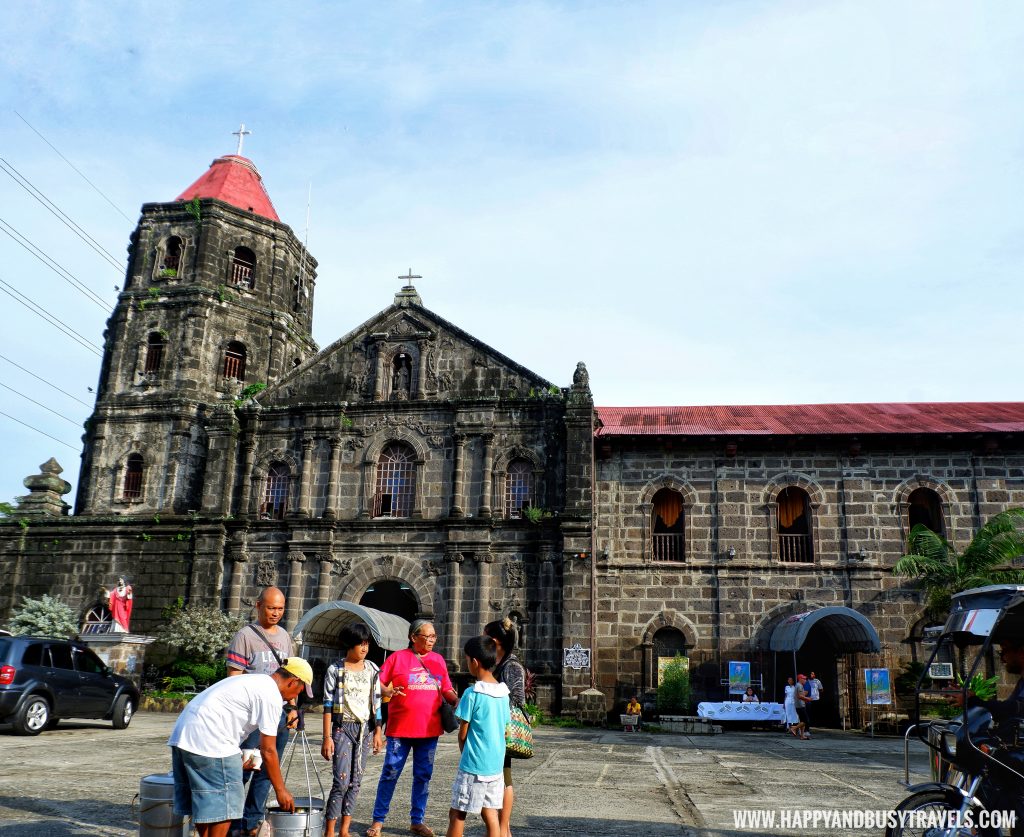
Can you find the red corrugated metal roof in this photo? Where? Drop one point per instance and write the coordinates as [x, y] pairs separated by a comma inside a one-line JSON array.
[[812, 419], [234, 180]]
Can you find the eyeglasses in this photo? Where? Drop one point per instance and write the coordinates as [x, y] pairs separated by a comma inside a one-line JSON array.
[[426, 636]]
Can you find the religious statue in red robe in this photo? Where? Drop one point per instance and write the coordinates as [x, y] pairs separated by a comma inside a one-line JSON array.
[[119, 601]]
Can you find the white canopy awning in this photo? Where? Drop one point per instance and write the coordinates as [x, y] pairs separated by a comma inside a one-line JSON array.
[[320, 626]]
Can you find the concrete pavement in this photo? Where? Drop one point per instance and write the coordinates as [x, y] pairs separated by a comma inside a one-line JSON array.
[[80, 779]]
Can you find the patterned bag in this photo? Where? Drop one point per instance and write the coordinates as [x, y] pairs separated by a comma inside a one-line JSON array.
[[519, 735]]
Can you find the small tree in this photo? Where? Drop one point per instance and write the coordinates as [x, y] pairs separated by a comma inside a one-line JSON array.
[[43, 617], [199, 632], [674, 689]]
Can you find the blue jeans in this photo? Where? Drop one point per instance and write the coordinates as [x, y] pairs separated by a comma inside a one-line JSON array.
[[395, 754], [259, 783]]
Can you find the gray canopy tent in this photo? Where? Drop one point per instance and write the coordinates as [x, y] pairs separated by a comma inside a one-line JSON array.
[[847, 630], [317, 630]]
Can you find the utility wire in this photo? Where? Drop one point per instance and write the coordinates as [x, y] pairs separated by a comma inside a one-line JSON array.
[[43, 380], [30, 427], [66, 160], [38, 404], [17, 296], [61, 271], [58, 213]]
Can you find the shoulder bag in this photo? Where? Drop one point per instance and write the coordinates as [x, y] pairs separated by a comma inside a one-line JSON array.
[[449, 723], [519, 735]]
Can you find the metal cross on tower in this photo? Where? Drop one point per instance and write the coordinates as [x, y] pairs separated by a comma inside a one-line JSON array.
[[409, 277], [241, 133]]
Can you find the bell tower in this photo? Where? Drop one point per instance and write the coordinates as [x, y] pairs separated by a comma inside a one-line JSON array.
[[218, 297]]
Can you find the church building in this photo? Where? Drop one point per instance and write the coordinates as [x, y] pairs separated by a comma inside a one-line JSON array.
[[412, 468]]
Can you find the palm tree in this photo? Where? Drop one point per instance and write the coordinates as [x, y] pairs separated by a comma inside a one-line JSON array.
[[941, 571]]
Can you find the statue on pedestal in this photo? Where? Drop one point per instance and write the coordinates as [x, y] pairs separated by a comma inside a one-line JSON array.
[[119, 602]]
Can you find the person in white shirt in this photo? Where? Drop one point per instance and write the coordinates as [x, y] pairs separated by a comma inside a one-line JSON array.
[[205, 744]]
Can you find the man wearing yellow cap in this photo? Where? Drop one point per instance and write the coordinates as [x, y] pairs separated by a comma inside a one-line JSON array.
[[205, 744]]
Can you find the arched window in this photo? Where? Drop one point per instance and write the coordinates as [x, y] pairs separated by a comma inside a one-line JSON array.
[[925, 506], [133, 469], [518, 488], [243, 269], [795, 542], [234, 361], [396, 482], [668, 526], [275, 492], [668, 644], [171, 262], [155, 344]]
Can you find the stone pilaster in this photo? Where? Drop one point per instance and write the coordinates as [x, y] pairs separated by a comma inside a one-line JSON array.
[[306, 477], [323, 590], [333, 465], [458, 475], [294, 608], [488, 475]]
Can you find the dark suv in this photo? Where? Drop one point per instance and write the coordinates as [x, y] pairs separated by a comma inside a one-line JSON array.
[[43, 680]]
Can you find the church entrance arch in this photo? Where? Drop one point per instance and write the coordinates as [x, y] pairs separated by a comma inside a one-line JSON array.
[[824, 641], [390, 596]]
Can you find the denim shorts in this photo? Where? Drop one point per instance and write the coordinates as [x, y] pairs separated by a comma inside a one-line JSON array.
[[207, 789]]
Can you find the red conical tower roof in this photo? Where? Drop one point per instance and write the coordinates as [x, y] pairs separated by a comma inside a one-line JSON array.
[[234, 180]]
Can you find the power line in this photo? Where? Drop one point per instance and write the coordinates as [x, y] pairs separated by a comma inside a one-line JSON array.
[[61, 271], [17, 296], [43, 380], [38, 404], [47, 435], [66, 160], [58, 213]]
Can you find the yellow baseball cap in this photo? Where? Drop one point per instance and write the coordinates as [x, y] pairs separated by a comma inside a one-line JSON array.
[[298, 667]]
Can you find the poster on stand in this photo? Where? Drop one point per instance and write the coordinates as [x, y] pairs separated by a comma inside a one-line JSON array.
[[876, 685], [739, 677]]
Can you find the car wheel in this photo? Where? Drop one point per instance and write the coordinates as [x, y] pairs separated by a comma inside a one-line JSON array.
[[33, 716], [123, 711]]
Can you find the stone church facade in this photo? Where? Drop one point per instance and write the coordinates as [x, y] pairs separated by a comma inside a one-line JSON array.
[[411, 467]]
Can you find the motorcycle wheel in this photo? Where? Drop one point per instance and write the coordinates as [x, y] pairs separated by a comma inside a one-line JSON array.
[[939, 802]]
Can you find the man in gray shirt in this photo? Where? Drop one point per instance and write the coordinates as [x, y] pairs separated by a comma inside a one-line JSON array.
[[258, 649]]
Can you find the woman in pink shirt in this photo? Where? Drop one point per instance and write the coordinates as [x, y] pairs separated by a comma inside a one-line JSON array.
[[419, 679]]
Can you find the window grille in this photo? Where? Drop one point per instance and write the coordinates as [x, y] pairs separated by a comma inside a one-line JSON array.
[[275, 492], [668, 537], [234, 361], [133, 478], [172, 255], [154, 353], [518, 488], [396, 482], [794, 526], [243, 266]]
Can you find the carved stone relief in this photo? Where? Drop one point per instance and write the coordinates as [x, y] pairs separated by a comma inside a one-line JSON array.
[[515, 574], [266, 573]]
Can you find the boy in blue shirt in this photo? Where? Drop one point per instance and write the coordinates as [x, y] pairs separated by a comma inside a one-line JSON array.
[[484, 711]]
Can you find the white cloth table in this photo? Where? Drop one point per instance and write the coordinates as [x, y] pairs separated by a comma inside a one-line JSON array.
[[762, 713]]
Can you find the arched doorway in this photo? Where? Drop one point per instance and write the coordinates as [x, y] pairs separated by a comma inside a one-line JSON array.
[[818, 640], [390, 596]]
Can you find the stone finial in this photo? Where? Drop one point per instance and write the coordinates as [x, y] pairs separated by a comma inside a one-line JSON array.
[[581, 378], [45, 491]]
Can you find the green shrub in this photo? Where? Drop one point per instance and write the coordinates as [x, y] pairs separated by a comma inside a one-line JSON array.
[[46, 616], [674, 690], [179, 684], [199, 633]]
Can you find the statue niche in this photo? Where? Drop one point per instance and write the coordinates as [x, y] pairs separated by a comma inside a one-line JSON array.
[[401, 377]]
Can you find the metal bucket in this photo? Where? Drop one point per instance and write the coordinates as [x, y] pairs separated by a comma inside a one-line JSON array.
[[307, 821], [156, 807]]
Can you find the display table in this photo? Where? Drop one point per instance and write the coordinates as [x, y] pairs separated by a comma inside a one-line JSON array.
[[756, 713]]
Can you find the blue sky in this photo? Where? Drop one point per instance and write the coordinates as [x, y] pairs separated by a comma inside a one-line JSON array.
[[708, 203]]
